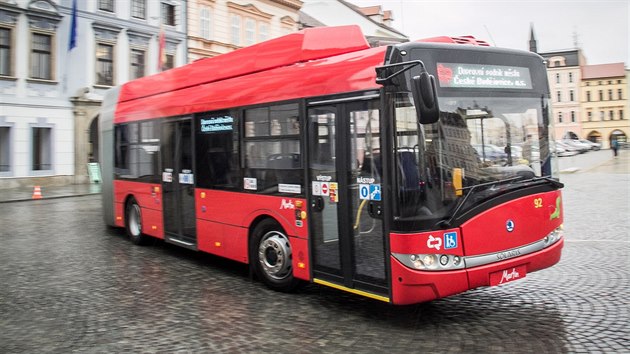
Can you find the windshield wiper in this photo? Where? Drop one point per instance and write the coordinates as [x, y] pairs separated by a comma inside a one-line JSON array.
[[550, 180], [447, 223]]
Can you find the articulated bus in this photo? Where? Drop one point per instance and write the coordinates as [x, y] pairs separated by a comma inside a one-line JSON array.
[[404, 173]]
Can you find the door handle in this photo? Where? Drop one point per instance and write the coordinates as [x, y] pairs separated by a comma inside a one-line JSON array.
[[375, 210], [317, 204]]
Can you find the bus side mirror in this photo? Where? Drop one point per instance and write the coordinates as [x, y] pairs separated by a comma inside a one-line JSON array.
[[425, 98]]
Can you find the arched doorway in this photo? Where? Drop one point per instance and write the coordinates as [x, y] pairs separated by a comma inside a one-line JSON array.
[[570, 135], [594, 136], [620, 136], [93, 141]]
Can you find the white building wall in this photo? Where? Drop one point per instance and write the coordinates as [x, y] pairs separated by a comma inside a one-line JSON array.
[[27, 103]]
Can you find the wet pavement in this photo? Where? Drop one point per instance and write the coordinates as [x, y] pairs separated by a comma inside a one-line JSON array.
[[71, 284]]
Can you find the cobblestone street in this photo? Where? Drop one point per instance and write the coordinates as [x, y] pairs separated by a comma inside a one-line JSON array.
[[70, 284]]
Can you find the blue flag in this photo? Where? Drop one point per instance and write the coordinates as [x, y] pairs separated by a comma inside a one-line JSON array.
[[73, 27]]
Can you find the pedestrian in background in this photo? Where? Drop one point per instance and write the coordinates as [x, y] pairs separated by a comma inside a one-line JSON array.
[[614, 145]]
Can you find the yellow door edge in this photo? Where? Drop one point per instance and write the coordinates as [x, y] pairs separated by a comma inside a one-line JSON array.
[[354, 291]]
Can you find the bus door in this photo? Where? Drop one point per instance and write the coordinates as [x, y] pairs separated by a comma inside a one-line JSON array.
[[345, 170], [178, 182]]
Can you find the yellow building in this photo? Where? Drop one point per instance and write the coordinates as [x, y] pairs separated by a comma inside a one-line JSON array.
[[219, 26], [604, 99]]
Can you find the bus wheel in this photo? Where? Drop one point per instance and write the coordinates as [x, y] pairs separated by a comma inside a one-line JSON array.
[[133, 222], [271, 256]]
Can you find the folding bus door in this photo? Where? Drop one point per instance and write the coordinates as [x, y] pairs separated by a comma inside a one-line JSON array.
[[178, 182], [346, 234]]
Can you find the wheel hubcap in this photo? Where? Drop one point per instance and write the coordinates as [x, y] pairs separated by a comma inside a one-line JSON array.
[[274, 254], [135, 224]]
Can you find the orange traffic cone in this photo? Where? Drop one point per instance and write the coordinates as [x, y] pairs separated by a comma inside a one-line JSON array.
[[37, 193]]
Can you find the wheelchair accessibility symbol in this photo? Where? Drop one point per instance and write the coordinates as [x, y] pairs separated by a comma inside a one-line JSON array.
[[375, 192]]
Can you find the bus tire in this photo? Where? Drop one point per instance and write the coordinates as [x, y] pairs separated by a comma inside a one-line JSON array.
[[270, 256], [133, 222]]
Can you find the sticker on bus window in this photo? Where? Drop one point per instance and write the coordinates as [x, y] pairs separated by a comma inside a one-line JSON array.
[[316, 188], [186, 178], [325, 189], [250, 184], [375, 192], [167, 177], [332, 192], [289, 188], [364, 191]]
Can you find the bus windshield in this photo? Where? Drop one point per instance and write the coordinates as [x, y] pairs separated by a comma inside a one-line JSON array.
[[480, 146]]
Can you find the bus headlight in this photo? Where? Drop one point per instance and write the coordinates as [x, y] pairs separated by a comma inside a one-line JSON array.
[[554, 236], [433, 262]]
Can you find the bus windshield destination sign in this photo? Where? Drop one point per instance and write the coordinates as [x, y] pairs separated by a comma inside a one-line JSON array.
[[457, 75], [217, 124]]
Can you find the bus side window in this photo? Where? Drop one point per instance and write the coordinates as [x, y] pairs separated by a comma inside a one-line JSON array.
[[272, 147]]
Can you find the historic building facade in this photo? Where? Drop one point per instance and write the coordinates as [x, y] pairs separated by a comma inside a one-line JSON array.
[[605, 103], [218, 26], [588, 101], [375, 23], [564, 75], [57, 59]]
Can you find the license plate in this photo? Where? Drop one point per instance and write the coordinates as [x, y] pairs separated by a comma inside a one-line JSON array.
[[508, 275]]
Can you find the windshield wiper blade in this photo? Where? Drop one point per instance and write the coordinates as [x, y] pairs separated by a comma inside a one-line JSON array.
[[462, 202], [553, 182]]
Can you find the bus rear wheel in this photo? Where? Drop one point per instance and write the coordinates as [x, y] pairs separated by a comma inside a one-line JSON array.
[[271, 257], [133, 222]]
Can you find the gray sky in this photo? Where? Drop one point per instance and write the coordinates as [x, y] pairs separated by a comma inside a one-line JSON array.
[[602, 27]]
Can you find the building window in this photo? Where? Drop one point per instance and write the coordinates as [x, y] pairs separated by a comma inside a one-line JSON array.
[[169, 62], [557, 78], [263, 32], [250, 31], [559, 117], [42, 147], [621, 114], [5, 149], [590, 116], [601, 95], [236, 29], [610, 95], [611, 115], [137, 63], [559, 95], [168, 14], [620, 94], [5, 52], [205, 22], [588, 96], [138, 9], [570, 77], [104, 64], [106, 5], [571, 96], [41, 56]]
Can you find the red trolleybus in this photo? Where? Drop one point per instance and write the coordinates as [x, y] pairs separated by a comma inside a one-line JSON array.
[[403, 173]]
